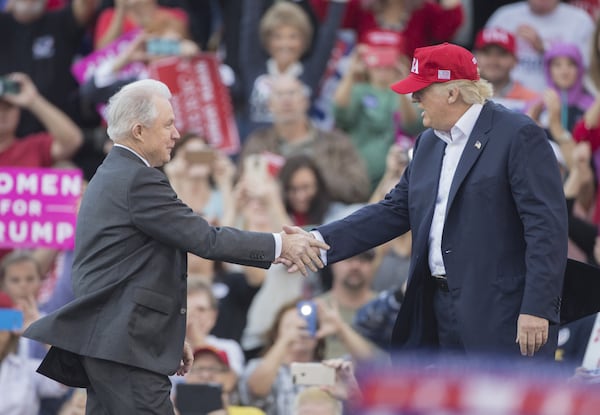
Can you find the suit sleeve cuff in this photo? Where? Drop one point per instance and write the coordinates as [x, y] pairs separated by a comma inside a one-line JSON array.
[[319, 237]]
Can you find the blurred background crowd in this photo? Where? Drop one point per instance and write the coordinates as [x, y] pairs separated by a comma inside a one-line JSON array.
[[320, 134]]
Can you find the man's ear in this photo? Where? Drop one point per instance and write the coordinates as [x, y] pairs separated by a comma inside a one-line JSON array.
[[453, 95], [136, 131]]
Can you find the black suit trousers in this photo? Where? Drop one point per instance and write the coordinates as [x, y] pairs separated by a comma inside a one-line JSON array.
[[116, 388]]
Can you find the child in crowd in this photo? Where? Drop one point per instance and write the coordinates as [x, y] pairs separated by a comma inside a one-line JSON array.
[[22, 388]]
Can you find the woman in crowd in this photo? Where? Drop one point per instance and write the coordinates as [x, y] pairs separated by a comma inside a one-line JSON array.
[[285, 34], [267, 382]]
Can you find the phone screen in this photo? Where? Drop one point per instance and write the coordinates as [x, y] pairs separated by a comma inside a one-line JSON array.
[[200, 156], [308, 311], [197, 399], [11, 319]]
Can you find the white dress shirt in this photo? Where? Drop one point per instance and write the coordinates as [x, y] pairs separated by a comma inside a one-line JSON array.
[[455, 144]]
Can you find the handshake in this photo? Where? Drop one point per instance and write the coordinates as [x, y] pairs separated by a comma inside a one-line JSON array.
[[300, 249]]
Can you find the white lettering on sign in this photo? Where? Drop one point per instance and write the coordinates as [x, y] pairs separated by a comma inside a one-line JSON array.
[[36, 232], [46, 184]]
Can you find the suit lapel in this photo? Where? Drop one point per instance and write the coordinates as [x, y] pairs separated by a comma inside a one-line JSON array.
[[473, 149]]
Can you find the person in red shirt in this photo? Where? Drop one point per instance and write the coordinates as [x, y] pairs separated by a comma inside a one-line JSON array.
[[420, 22], [59, 142]]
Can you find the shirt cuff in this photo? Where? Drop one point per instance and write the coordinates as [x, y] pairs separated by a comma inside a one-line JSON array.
[[277, 245], [319, 237]]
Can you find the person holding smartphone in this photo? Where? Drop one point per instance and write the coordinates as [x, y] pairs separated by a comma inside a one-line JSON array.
[[267, 381], [206, 387], [22, 388]]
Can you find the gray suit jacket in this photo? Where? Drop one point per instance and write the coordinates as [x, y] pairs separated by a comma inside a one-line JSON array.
[[129, 271]]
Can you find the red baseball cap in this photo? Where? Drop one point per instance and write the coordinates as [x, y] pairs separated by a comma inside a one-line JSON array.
[[382, 48], [497, 37], [218, 353], [438, 64]]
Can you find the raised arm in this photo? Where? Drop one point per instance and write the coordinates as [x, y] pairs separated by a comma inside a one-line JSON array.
[[67, 137]]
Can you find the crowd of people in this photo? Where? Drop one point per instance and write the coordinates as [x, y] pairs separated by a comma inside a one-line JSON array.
[[321, 135]]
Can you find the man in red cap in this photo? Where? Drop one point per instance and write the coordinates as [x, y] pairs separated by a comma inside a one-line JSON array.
[[483, 197], [495, 52]]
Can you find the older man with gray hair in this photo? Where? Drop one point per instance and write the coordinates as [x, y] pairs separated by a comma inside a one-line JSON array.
[[123, 335]]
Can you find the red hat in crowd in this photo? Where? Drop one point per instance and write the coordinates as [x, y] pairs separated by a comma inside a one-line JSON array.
[[218, 353], [437, 64], [382, 48], [6, 301], [496, 37]]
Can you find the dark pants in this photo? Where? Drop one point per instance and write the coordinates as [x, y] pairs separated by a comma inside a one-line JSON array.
[[121, 389], [447, 323]]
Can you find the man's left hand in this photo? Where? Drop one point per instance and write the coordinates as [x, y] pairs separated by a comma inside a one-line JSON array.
[[532, 333], [187, 358]]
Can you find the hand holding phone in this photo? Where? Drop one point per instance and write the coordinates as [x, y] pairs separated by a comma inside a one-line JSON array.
[[8, 86]]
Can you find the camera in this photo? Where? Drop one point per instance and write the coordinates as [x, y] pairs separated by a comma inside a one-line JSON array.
[[8, 86], [308, 311]]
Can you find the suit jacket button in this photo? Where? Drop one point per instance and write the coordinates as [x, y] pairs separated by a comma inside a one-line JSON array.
[[182, 311]]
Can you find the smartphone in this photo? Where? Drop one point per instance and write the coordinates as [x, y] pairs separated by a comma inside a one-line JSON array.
[[308, 310], [274, 162], [8, 86], [163, 46], [202, 156], [256, 167], [312, 373], [198, 398], [10, 319]]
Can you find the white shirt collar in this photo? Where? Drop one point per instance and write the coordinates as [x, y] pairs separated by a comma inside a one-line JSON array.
[[463, 127], [134, 152]]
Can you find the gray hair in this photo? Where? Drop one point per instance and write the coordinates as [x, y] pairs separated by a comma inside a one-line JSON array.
[[472, 92], [133, 104]]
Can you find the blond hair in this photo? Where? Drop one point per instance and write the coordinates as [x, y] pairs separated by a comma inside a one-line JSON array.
[[472, 92], [285, 14], [314, 395]]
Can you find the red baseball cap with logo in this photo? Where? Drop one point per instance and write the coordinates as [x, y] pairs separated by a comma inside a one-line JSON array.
[[382, 48], [496, 37], [438, 64]]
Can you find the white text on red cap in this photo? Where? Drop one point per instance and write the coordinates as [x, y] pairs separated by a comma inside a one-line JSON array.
[[415, 66]]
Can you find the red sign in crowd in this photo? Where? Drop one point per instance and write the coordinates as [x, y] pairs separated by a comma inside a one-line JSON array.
[[200, 100], [470, 392]]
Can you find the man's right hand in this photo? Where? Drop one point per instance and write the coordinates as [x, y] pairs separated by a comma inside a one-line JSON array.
[[300, 249]]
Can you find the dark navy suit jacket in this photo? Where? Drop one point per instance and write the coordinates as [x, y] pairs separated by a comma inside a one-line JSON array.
[[504, 241]]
